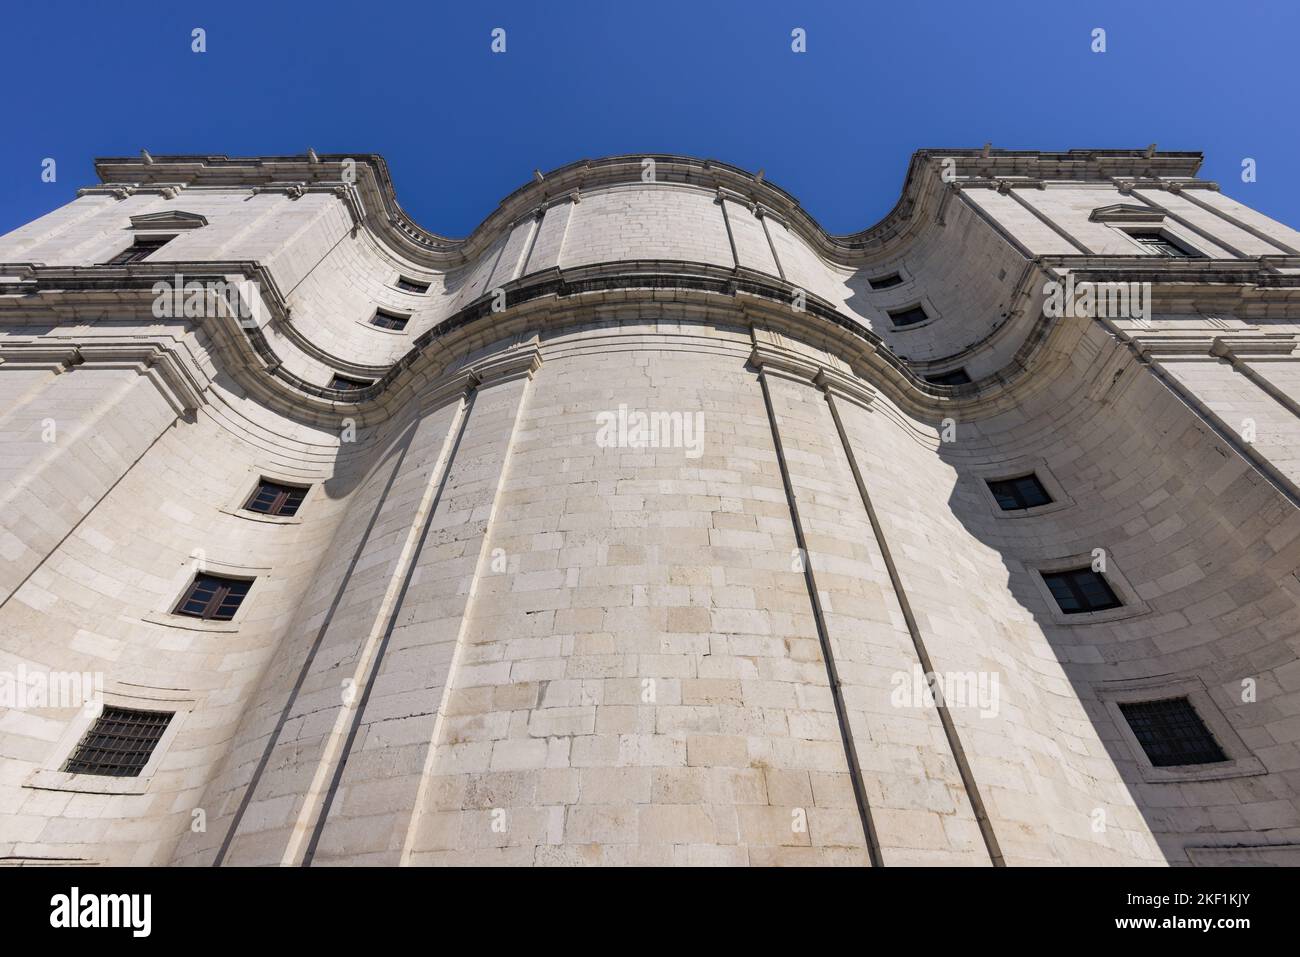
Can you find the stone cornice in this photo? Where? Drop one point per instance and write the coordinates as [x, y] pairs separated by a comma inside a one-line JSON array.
[[1207, 345], [179, 381], [555, 297], [182, 385], [51, 354], [375, 201], [770, 355], [86, 284], [1267, 286]]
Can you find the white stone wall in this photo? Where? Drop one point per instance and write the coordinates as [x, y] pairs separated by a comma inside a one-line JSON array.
[[489, 637], [120, 541]]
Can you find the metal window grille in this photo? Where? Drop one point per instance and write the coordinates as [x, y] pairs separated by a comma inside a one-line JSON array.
[[119, 743], [1162, 245], [140, 249], [1172, 733]]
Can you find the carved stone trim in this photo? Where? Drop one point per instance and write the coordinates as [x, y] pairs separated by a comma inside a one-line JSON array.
[[1126, 213], [921, 188], [169, 219]]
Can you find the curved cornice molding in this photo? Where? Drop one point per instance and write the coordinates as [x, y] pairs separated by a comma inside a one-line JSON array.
[[629, 289], [616, 291], [612, 293], [625, 291], [373, 199]]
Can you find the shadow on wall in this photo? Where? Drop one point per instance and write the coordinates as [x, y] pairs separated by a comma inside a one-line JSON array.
[[1182, 525], [354, 461]]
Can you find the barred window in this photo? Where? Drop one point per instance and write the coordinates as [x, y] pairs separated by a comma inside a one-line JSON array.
[[1081, 590], [140, 249], [1018, 493], [1162, 245], [272, 498], [951, 377], [119, 743], [884, 282], [388, 320], [411, 285], [213, 598], [343, 384], [907, 317], [1172, 733]]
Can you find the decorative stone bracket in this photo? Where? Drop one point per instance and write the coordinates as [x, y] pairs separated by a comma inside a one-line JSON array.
[[180, 382]]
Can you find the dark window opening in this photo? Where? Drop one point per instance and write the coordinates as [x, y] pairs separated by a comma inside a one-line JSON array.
[[1017, 493], [343, 384], [272, 498], [884, 282], [411, 285], [388, 320], [1172, 733], [908, 317], [1162, 245], [1081, 590], [951, 377], [213, 598], [119, 743], [140, 249]]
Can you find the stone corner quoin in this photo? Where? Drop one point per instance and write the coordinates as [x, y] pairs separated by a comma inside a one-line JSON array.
[[650, 523]]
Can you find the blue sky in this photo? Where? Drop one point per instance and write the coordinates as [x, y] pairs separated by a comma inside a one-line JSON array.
[[461, 127]]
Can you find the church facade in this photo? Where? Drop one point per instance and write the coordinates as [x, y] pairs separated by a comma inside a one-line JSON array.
[[651, 523]]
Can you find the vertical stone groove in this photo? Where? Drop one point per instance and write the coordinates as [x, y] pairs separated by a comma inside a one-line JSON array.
[[412, 829], [1050, 223], [1243, 368], [823, 636], [535, 227], [90, 511], [731, 240], [303, 672], [1270, 472], [945, 717], [1234, 221], [409, 559], [780, 271], [1190, 226]]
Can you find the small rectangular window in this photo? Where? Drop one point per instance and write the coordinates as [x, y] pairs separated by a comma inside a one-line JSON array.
[[1018, 493], [119, 743], [907, 317], [1162, 245], [213, 598], [411, 285], [1172, 733], [272, 498], [951, 377], [1081, 590], [884, 282], [343, 384], [140, 249], [388, 320]]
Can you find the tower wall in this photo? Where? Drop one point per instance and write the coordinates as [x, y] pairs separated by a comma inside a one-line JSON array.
[[506, 629]]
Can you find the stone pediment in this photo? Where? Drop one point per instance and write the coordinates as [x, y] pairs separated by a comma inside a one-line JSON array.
[[1125, 213], [168, 219]]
